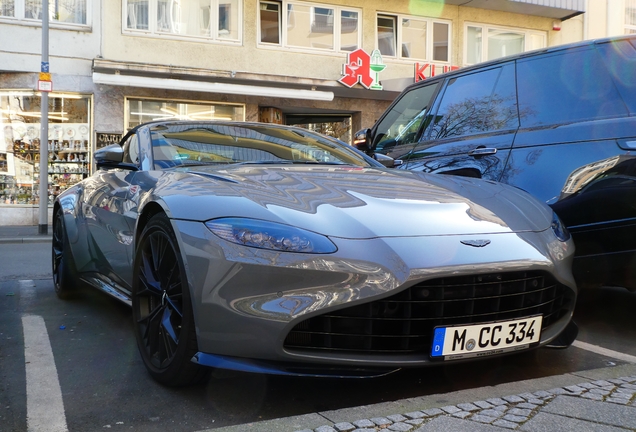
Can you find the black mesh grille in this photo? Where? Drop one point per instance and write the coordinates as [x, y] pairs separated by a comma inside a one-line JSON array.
[[404, 323]]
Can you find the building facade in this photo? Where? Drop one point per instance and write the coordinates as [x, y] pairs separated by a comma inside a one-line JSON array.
[[333, 66]]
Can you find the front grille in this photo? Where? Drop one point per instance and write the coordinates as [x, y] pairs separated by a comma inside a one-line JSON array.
[[404, 322]]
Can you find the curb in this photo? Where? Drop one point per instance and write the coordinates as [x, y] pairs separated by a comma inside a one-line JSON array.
[[39, 239], [408, 414]]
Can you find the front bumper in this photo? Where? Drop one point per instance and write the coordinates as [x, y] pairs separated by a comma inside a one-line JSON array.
[[247, 301]]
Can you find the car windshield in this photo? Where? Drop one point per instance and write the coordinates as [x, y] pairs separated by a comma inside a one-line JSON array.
[[201, 144]]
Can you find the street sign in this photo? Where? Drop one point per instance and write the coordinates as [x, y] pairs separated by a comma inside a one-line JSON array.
[[45, 86]]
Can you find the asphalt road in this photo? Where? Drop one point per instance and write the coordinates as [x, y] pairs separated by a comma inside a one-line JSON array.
[[104, 385]]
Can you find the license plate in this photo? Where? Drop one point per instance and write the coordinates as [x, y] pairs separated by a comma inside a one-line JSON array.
[[456, 342]]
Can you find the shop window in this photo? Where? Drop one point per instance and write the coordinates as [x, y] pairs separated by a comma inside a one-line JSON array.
[[489, 43], [69, 145], [309, 26], [336, 126], [60, 11], [213, 19], [415, 38], [145, 110]]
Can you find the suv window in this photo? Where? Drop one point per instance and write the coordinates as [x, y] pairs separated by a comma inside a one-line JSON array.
[[476, 103], [402, 123], [620, 59], [566, 87]]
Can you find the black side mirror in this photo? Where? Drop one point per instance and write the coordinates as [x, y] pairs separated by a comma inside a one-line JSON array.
[[387, 161], [362, 141], [112, 156]]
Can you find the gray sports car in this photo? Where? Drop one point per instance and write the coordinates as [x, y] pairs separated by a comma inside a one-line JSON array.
[[273, 249]]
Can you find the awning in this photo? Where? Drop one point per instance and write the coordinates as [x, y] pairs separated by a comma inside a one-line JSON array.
[[210, 87], [557, 9]]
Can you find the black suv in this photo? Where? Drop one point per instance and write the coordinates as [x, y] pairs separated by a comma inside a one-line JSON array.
[[559, 123]]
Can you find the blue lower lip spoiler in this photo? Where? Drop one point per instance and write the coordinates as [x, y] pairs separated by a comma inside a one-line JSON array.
[[256, 366]]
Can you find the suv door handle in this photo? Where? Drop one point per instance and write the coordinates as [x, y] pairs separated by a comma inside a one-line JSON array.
[[482, 151]]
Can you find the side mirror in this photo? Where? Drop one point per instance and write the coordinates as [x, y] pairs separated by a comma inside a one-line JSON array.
[[112, 156], [387, 161], [362, 140]]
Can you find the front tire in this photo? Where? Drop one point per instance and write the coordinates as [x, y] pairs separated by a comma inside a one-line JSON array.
[[162, 308], [63, 265]]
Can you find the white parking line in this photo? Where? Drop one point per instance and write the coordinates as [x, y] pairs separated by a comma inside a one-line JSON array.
[[604, 351], [45, 407]]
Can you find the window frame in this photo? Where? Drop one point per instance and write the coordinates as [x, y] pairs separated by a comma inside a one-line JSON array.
[[154, 32], [284, 19], [630, 28], [259, 22], [19, 13], [485, 28], [398, 20]]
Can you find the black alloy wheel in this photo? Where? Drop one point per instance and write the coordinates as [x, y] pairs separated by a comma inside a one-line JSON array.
[[162, 309], [63, 266]]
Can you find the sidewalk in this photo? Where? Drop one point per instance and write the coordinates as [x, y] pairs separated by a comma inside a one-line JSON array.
[[596, 400], [24, 234]]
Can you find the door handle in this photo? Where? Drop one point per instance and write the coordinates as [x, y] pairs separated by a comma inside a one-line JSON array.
[[482, 151]]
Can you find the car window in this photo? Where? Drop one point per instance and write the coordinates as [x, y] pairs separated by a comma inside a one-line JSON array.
[[620, 59], [164, 154], [131, 150], [476, 103], [566, 87], [402, 123], [204, 143]]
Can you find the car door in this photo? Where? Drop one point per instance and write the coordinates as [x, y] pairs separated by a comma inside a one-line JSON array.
[[575, 149], [472, 126], [111, 214]]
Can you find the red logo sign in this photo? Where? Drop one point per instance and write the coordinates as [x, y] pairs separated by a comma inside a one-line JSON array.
[[428, 70], [357, 69]]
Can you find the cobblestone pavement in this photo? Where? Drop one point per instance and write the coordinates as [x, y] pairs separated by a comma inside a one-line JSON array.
[[605, 405], [596, 400]]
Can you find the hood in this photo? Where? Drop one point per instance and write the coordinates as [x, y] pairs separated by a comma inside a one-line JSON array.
[[352, 202]]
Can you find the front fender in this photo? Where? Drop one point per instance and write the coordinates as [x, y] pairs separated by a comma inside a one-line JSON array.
[[68, 203]]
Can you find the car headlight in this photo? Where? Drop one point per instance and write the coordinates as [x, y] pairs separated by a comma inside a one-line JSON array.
[[559, 229], [270, 235]]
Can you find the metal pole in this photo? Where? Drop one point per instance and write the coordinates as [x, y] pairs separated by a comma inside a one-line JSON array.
[[44, 128]]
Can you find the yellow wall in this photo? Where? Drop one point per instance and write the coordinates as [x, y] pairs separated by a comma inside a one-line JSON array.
[[250, 57]]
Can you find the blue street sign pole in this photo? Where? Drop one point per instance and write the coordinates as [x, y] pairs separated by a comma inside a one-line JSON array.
[[44, 128]]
